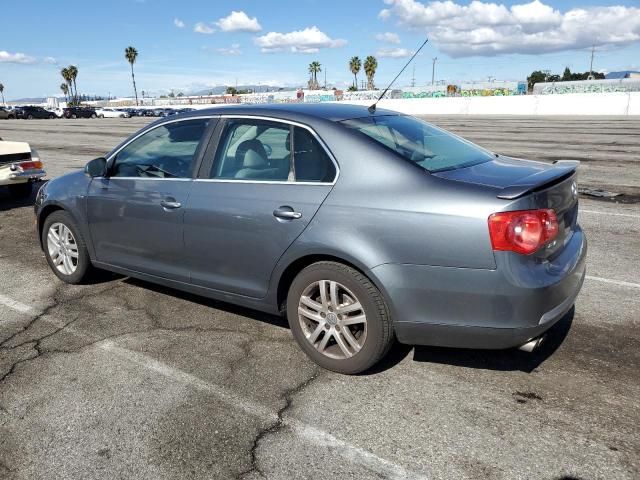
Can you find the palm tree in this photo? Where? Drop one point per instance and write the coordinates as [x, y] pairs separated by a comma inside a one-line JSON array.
[[2, 92], [314, 69], [65, 89], [370, 66], [66, 75], [354, 66], [73, 74], [131, 54]]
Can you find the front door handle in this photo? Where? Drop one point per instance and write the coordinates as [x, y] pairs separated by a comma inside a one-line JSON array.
[[170, 205], [286, 213]]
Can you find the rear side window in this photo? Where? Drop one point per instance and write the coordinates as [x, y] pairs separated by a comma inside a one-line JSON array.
[[253, 150], [166, 151], [425, 145], [311, 162]]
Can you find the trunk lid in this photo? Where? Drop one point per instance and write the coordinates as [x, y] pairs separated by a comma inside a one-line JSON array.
[[526, 184]]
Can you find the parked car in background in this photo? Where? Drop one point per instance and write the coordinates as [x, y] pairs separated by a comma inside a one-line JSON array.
[[79, 112], [6, 114], [111, 113], [29, 113], [360, 226], [20, 166]]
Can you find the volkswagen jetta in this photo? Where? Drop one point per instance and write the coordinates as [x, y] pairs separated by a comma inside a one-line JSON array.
[[362, 226]]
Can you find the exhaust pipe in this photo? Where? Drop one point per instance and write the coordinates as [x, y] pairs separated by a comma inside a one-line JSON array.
[[531, 345]]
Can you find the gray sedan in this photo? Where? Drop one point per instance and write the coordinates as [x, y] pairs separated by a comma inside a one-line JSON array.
[[361, 227]]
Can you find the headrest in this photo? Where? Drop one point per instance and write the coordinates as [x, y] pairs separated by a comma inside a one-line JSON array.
[[251, 154]]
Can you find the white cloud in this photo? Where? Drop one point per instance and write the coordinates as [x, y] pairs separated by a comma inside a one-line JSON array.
[[309, 40], [489, 29], [233, 50], [50, 60], [178, 23], [394, 53], [388, 37], [202, 27], [6, 57], [239, 22]]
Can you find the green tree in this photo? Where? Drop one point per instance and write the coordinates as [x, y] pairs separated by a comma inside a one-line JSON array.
[[354, 65], [314, 69], [230, 91], [2, 92], [566, 75], [131, 54], [65, 89], [370, 67], [66, 75], [536, 77], [73, 75]]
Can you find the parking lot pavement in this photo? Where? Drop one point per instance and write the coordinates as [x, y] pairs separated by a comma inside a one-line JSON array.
[[124, 379]]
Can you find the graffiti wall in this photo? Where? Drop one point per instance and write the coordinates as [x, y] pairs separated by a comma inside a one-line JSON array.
[[588, 86]]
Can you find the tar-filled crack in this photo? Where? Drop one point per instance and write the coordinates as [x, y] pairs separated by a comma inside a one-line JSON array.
[[274, 426], [36, 342]]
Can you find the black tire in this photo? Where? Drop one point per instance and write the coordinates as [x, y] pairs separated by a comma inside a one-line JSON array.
[[20, 190], [84, 267], [379, 336], [29, 117], [74, 116], [93, 115], [51, 117]]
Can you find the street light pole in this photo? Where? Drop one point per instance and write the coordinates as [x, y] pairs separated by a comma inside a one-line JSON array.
[[433, 70]]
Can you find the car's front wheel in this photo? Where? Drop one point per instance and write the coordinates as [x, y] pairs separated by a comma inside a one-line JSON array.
[[339, 318], [64, 248]]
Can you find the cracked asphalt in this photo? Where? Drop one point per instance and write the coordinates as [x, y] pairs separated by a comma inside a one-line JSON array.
[[124, 379]]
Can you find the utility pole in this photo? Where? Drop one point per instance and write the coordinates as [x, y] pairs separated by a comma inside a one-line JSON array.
[[433, 70], [413, 77], [590, 77], [325, 78]]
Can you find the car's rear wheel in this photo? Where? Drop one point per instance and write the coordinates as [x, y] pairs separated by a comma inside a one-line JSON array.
[[93, 115], [339, 318], [74, 116], [51, 117], [64, 248], [29, 117], [20, 190]]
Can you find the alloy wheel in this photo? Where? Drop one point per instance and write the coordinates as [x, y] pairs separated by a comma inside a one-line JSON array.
[[332, 319], [62, 248]]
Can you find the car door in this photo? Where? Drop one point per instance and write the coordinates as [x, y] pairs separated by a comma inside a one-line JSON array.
[[247, 207], [136, 212]]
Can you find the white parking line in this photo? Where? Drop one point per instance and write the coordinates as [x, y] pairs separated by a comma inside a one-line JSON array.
[[613, 214], [15, 305], [620, 283], [313, 435]]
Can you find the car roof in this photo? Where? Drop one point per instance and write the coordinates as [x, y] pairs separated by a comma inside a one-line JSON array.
[[291, 111]]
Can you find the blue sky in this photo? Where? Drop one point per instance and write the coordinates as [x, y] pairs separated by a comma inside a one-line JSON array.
[[272, 42]]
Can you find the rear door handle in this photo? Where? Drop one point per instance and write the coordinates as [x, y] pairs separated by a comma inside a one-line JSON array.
[[286, 213], [169, 204]]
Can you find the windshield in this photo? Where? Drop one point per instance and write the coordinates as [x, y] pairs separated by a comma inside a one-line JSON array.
[[425, 145]]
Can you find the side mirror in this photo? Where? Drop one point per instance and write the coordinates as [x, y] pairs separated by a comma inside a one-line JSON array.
[[96, 167]]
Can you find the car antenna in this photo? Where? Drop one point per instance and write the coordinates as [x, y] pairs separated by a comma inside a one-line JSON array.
[[372, 108]]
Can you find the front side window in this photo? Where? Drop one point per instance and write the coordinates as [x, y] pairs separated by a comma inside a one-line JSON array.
[[425, 145], [167, 151], [253, 150]]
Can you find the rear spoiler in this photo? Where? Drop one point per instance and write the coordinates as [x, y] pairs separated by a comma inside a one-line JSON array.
[[562, 170]]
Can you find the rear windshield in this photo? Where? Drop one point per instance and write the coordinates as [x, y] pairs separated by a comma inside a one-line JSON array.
[[425, 145]]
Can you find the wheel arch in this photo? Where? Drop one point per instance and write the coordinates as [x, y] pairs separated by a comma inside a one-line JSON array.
[[296, 266]]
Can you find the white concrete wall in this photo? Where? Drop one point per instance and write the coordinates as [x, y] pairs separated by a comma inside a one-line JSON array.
[[617, 103]]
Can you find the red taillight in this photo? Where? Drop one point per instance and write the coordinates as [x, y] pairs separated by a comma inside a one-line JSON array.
[[36, 165], [522, 231]]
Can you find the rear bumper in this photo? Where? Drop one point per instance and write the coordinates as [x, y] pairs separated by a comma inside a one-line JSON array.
[[473, 308]]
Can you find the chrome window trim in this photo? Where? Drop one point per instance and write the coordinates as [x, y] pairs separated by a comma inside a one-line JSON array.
[[323, 145]]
